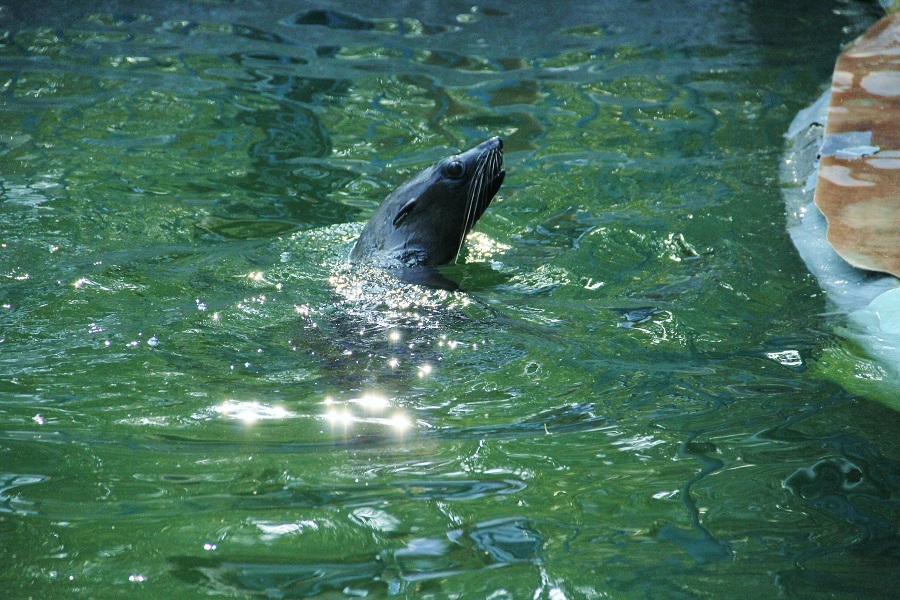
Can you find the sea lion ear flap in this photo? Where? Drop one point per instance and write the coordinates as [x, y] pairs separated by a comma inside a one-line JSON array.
[[405, 210]]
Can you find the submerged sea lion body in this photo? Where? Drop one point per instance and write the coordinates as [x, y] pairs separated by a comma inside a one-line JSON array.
[[424, 222]]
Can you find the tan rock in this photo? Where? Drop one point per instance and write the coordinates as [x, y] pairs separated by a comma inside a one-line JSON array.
[[858, 189]]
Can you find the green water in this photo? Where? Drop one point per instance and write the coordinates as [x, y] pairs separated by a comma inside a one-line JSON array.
[[198, 397]]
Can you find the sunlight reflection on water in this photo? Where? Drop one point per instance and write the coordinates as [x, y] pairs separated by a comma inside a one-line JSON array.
[[251, 412], [371, 408]]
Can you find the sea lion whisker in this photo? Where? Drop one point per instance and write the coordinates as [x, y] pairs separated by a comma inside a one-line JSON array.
[[495, 163], [465, 223], [478, 180], [473, 192], [489, 172], [479, 189]]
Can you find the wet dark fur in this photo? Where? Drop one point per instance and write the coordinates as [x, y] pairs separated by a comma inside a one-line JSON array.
[[424, 222]]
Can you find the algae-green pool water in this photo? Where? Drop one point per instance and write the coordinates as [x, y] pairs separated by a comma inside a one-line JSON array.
[[198, 397]]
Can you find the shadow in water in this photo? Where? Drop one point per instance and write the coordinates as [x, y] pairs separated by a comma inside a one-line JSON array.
[[415, 567], [701, 545]]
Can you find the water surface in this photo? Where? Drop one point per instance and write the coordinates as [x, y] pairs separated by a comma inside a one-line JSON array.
[[199, 397]]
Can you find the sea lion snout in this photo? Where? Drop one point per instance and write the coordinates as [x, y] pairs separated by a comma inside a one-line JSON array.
[[493, 144]]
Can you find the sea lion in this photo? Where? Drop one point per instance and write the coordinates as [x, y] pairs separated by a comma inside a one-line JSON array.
[[424, 222]]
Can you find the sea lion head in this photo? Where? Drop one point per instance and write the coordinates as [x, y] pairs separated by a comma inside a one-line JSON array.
[[424, 222]]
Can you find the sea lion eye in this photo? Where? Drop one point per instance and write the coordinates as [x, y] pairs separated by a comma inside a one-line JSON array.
[[455, 169]]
